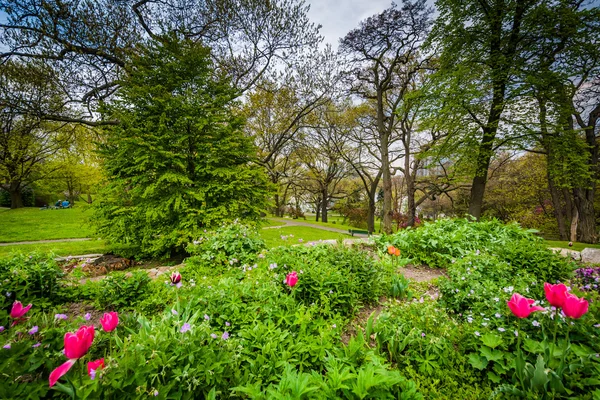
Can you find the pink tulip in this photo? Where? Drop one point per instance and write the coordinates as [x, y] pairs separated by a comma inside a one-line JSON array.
[[93, 366], [76, 345], [574, 307], [175, 278], [556, 294], [522, 306], [18, 311], [291, 279], [109, 321]]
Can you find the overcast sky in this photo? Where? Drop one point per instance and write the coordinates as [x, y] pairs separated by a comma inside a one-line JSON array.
[[338, 17]]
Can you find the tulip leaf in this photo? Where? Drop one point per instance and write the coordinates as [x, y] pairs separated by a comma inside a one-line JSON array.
[[540, 377], [491, 340]]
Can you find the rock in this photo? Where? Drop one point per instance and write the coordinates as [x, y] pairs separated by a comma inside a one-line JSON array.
[[575, 255], [590, 255]]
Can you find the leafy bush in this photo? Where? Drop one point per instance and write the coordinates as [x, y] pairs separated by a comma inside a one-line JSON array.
[[335, 279], [437, 243], [234, 244], [34, 278], [122, 290]]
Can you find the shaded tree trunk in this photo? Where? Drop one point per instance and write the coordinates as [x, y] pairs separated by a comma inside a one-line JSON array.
[[584, 205], [16, 199], [324, 205], [558, 209]]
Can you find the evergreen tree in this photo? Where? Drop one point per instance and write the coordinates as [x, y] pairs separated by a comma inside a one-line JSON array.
[[178, 162]]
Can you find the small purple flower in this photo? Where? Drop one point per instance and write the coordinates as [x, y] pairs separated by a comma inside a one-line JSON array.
[[174, 312], [517, 333], [6, 346], [597, 326], [33, 330], [1, 329], [227, 324], [300, 240], [261, 256], [87, 316], [422, 334], [92, 374], [535, 323], [156, 391], [179, 285], [38, 344], [61, 316], [206, 317], [225, 335], [213, 335], [186, 327]]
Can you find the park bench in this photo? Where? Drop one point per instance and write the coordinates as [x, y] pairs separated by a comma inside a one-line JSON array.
[[359, 232]]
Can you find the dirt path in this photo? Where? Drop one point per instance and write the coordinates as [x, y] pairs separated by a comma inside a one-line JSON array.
[[294, 222], [45, 241]]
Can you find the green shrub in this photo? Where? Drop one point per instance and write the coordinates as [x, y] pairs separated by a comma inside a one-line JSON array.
[[234, 244], [335, 279], [33, 278], [437, 243], [122, 290]]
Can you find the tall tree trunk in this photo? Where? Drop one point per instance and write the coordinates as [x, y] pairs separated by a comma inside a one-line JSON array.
[[16, 199], [318, 209], [584, 202], [574, 222], [324, 205], [371, 213], [410, 197], [558, 209], [484, 157]]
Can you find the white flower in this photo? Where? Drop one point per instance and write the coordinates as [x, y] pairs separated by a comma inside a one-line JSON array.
[[517, 333], [498, 315], [477, 334], [496, 299], [484, 323], [535, 323], [501, 329]]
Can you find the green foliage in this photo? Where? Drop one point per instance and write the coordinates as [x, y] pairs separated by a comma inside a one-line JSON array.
[[438, 243], [233, 244], [121, 290], [178, 162], [34, 278], [335, 279], [399, 287]]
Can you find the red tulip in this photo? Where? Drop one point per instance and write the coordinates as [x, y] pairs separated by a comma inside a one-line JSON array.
[[574, 307], [18, 310], [291, 279], [109, 321], [76, 345], [175, 278], [555, 294], [93, 366], [522, 306]]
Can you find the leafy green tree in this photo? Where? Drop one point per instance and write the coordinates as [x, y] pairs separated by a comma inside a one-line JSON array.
[[178, 162], [383, 53], [484, 48], [27, 142]]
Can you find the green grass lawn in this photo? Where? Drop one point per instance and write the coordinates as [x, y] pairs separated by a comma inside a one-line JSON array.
[[311, 220], [59, 248], [272, 237], [26, 224], [576, 246]]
